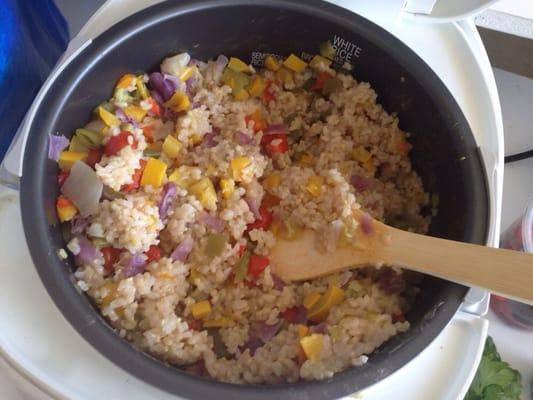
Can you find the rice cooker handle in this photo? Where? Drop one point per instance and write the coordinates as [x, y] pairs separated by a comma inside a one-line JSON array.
[[11, 167]]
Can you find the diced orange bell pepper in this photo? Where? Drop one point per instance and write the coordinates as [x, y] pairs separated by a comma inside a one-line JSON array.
[[257, 118], [65, 209]]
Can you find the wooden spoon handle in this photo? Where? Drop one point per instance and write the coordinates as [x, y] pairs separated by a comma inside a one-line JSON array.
[[505, 272]]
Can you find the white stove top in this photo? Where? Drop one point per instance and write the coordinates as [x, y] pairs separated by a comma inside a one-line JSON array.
[[42, 348]]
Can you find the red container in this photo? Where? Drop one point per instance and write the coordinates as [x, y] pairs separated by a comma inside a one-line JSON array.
[[519, 236]]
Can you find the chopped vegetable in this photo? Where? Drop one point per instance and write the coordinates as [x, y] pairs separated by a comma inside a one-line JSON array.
[[135, 112], [182, 250], [65, 209], [219, 66], [163, 87], [125, 81], [62, 175], [155, 107], [302, 330], [187, 72], [360, 183], [88, 253], [284, 76], [295, 63], [172, 146], [182, 176], [93, 157], [178, 102], [257, 118], [257, 264], [169, 193], [272, 181], [78, 145], [268, 96], [319, 61], [244, 139], [361, 154], [312, 346], [315, 185], [205, 193], [333, 296], [153, 173], [111, 256], [108, 118], [118, 142], [241, 268], [201, 309], [221, 322], [264, 331], [263, 222], [321, 80], [136, 178], [212, 222], [311, 299], [83, 188], [176, 64], [269, 201], [494, 379], [256, 86], [272, 63], [295, 315], [141, 88], [241, 94], [56, 144], [216, 242], [366, 224], [305, 160], [135, 265], [275, 143], [235, 80], [274, 129], [238, 65], [238, 164], [68, 158], [227, 187], [327, 50]]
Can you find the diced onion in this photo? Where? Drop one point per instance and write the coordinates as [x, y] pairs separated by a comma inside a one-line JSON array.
[[169, 193], [56, 144], [83, 188], [182, 250]]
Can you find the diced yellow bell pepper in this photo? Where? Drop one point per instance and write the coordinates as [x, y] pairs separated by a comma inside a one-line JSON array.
[[201, 309], [311, 299], [111, 291], [154, 173], [135, 112], [256, 86], [238, 65], [178, 102], [66, 210], [238, 164], [315, 185], [369, 165], [361, 154], [125, 81], [141, 88], [195, 274], [295, 63], [312, 346], [182, 176], [76, 145], [227, 187], [272, 64], [108, 118], [195, 139], [284, 76], [272, 181], [205, 193], [221, 322], [302, 330], [333, 296], [187, 72], [305, 160], [171, 146], [241, 95], [317, 61], [67, 158]]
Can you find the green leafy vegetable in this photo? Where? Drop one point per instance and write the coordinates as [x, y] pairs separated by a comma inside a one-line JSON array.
[[495, 379], [241, 268]]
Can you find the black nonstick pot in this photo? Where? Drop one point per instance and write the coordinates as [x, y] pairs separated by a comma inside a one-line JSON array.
[[444, 154]]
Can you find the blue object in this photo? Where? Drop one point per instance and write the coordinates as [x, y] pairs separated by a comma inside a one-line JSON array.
[[33, 35]]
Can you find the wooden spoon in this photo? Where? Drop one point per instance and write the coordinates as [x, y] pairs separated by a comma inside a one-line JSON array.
[[505, 272]]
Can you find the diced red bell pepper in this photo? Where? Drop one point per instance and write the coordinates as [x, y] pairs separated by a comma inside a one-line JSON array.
[[153, 254], [269, 201], [148, 132], [268, 96], [257, 264], [291, 315], [118, 142], [276, 143], [62, 177], [194, 324], [62, 201], [111, 256], [94, 156], [155, 107], [321, 79], [398, 318], [264, 221], [129, 187]]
